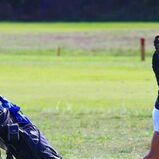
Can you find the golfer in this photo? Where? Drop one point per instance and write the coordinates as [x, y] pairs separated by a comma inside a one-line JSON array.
[[154, 150]]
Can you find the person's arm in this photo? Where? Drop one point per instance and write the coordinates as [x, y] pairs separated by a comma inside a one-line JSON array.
[[155, 66]]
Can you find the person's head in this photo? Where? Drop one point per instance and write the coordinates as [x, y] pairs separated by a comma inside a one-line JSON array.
[[156, 43]]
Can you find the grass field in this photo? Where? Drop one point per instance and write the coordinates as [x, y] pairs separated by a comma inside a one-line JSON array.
[[63, 27], [76, 39], [90, 106]]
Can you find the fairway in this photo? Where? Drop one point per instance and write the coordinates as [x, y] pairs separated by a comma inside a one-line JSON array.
[[89, 105], [91, 109]]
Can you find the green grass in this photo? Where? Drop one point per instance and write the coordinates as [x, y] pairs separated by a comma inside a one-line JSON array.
[[88, 107], [76, 39], [60, 27], [74, 44], [91, 102]]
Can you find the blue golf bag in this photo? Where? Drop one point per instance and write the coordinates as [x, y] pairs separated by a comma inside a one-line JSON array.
[[19, 137]]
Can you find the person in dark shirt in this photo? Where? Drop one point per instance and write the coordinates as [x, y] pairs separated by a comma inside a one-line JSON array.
[[154, 150]]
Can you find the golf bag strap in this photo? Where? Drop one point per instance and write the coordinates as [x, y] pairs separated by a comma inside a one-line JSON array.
[[9, 155]]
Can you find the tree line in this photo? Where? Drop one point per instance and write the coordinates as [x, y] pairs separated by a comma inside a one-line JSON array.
[[79, 10]]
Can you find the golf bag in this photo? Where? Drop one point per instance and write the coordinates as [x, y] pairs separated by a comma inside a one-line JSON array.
[[19, 137]]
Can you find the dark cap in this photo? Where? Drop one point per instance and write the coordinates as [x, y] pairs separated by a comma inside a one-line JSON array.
[[156, 41]]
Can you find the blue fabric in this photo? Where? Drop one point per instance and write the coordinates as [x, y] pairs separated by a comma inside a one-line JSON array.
[[15, 111]]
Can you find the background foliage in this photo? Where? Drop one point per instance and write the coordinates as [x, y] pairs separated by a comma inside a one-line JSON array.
[[79, 10]]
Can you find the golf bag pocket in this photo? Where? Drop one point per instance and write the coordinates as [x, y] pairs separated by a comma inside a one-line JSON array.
[[37, 143], [31, 133], [13, 133]]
